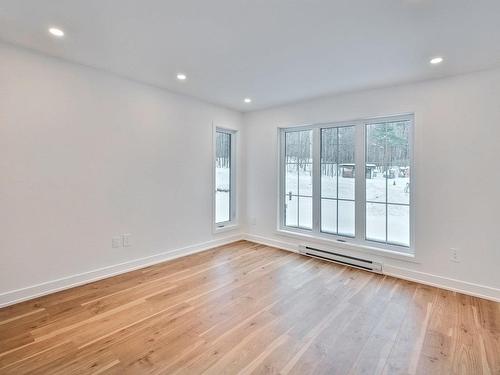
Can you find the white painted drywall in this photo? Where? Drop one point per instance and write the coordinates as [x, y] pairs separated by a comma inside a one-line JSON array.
[[84, 156], [457, 148]]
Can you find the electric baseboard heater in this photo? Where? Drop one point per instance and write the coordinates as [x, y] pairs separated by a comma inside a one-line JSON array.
[[364, 264]]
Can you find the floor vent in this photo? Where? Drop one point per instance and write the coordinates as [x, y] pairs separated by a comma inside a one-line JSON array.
[[364, 264]]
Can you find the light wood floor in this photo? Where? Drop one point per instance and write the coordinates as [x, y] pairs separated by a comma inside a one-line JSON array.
[[247, 308]]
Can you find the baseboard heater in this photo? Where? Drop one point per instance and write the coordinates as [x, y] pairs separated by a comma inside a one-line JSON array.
[[364, 264]]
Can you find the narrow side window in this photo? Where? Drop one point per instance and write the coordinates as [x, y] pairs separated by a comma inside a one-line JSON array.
[[224, 177]]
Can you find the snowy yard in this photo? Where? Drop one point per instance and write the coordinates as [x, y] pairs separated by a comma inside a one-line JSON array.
[[387, 204], [382, 200], [222, 195]]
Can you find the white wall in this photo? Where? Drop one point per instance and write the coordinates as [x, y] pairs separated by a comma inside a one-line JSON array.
[[457, 140], [85, 155]]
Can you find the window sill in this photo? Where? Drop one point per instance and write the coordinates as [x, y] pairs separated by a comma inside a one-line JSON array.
[[226, 228], [348, 246]]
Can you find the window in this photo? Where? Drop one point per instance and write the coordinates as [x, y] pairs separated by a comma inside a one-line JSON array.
[[224, 178], [337, 180], [349, 182], [388, 185], [298, 179]]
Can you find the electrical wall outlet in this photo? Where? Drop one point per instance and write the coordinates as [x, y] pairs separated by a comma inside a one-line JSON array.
[[126, 240], [116, 242], [454, 255]]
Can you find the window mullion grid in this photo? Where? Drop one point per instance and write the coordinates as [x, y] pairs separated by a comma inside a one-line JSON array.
[[230, 153], [298, 194], [282, 192], [337, 180], [316, 180], [411, 205], [386, 186], [360, 202], [386, 209], [360, 182]]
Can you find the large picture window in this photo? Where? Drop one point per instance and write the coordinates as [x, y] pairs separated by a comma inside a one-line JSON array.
[[349, 181]]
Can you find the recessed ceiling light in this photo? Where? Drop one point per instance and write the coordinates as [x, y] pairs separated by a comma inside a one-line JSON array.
[[181, 77], [436, 60], [56, 32], [247, 100]]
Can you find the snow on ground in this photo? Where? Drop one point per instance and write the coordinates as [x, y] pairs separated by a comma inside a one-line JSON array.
[[299, 209], [222, 198]]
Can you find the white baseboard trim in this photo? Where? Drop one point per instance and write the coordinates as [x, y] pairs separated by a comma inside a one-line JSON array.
[[464, 287], [38, 290], [271, 242], [454, 285]]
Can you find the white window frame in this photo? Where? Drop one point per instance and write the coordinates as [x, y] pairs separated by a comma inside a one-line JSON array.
[[232, 223], [358, 241]]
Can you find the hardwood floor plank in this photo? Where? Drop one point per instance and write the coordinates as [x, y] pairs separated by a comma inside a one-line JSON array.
[[251, 309], [405, 353], [336, 346], [21, 316], [468, 354], [376, 349], [439, 342], [488, 322]]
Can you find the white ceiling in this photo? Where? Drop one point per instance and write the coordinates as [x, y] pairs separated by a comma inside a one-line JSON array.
[[274, 51]]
